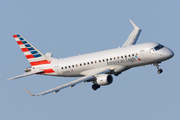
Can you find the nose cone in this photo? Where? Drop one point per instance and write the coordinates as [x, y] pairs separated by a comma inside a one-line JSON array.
[[169, 54]]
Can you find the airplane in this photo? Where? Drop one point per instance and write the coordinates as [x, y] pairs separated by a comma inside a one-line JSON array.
[[97, 67]]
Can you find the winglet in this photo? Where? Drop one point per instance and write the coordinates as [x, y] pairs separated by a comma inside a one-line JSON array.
[[29, 92], [133, 23], [132, 38]]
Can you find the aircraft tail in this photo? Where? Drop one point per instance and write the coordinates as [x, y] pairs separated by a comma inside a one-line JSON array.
[[33, 55]]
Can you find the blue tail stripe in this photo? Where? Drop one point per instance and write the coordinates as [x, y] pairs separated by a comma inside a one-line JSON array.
[[28, 45], [30, 49], [21, 38], [37, 55], [24, 42], [33, 52]]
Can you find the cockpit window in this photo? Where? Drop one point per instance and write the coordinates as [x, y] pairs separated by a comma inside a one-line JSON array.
[[158, 47]]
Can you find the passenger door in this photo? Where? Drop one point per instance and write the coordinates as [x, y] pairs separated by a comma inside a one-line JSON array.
[[143, 55]]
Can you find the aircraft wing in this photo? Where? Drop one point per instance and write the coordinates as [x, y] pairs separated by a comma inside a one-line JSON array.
[[72, 83], [132, 38], [26, 74]]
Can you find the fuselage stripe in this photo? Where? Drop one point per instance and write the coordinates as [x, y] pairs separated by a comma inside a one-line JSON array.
[[48, 70]]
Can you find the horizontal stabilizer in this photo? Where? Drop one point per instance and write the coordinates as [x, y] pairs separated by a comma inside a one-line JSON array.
[[26, 74]]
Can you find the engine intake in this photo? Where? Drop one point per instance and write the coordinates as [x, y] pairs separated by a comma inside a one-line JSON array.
[[104, 80]]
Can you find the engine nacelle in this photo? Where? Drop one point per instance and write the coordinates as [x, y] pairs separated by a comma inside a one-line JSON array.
[[104, 79]]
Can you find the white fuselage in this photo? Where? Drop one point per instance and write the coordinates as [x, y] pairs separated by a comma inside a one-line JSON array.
[[120, 59], [94, 67]]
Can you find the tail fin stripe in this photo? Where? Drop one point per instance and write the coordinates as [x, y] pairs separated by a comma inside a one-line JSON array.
[[37, 55], [30, 48], [28, 45], [39, 62], [36, 59], [33, 52], [24, 42], [19, 43], [34, 56], [29, 56], [21, 38], [24, 49], [15, 36], [27, 53]]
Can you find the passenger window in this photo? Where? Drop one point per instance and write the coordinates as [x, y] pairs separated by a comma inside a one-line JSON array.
[[62, 68], [129, 55], [66, 67], [95, 61], [84, 63], [76, 65], [132, 54], [114, 58], [99, 60], [80, 64], [69, 66], [117, 57], [72, 65], [125, 56], [106, 59], [110, 58], [103, 60], [91, 62], [88, 63]]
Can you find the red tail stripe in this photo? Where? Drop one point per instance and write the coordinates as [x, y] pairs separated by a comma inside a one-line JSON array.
[[40, 62], [29, 56], [19, 43], [48, 70], [24, 49], [15, 36]]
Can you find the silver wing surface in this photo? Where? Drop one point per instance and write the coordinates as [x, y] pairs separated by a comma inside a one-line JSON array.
[[132, 38], [27, 74], [73, 83]]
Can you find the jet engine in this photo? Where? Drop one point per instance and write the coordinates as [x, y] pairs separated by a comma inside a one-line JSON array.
[[104, 79]]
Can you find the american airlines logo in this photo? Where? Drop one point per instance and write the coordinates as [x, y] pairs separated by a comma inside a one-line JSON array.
[[131, 59]]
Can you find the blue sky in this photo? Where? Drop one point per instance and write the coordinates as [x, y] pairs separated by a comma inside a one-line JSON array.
[[69, 28]]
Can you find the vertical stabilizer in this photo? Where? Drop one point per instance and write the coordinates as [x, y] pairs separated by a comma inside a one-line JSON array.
[[33, 55]]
